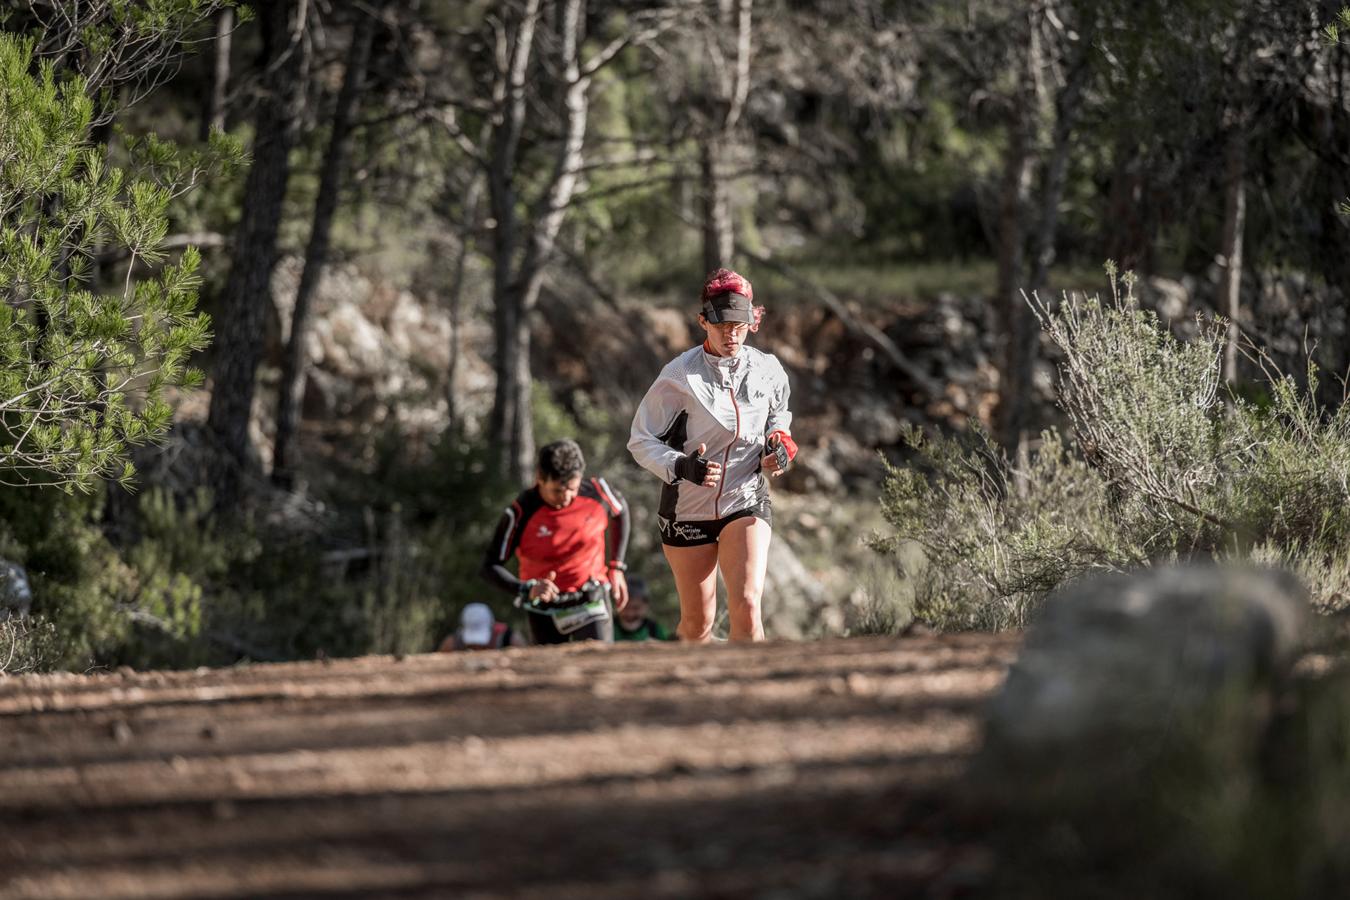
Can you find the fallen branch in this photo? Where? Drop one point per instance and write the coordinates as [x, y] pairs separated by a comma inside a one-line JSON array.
[[856, 326]]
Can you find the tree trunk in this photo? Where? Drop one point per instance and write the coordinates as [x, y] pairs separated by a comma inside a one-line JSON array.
[[733, 86], [505, 319], [467, 224], [718, 237], [1016, 319], [213, 115], [510, 100], [1067, 106], [291, 390], [503, 427], [545, 225], [521, 447], [1234, 224], [1128, 216], [516, 286], [247, 292]]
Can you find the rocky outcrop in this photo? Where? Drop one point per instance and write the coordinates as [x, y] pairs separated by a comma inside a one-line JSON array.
[[379, 354]]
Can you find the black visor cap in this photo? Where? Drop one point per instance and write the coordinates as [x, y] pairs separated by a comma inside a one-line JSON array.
[[728, 307]]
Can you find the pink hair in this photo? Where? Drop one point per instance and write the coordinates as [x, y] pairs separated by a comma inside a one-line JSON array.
[[723, 280]]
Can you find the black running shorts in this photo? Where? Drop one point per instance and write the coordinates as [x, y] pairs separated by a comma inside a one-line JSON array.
[[696, 534]]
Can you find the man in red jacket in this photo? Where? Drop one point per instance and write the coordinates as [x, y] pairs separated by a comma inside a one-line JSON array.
[[570, 535]]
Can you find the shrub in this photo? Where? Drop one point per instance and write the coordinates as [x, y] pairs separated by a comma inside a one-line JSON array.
[[1159, 467], [79, 582], [26, 645]]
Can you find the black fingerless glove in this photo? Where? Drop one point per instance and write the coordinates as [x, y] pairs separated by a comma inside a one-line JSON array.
[[692, 468]]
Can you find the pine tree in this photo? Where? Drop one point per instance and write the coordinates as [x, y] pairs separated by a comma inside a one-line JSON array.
[[83, 372]]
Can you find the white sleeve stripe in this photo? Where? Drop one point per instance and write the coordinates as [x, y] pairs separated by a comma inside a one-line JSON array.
[[510, 528], [613, 501]]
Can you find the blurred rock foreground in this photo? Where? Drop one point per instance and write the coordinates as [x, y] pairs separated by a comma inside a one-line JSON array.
[[1171, 734], [1121, 669]]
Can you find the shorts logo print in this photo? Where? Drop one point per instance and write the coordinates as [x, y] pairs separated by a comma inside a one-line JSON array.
[[690, 533]]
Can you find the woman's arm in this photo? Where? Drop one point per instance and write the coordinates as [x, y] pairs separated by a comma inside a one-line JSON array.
[[780, 417], [780, 449], [653, 425]]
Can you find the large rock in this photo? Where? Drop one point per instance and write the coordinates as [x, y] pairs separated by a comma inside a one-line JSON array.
[[1120, 671]]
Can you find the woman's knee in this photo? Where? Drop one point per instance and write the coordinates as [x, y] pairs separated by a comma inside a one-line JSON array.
[[697, 614]]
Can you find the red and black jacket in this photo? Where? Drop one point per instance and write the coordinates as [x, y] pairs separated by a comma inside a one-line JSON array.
[[577, 542]]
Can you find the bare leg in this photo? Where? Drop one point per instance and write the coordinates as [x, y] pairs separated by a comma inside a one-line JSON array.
[[743, 556], [695, 570]]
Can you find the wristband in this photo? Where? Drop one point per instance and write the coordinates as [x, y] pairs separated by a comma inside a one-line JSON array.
[[526, 587], [618, 564], [786, 442]]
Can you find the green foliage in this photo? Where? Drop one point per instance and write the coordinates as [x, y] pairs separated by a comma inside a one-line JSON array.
[[1159, 469], [26, 645], [997, 537], [112, 46], [82, 373], [1331, 32], [270, 591], [79, 583], [451, 504], [146, 603]]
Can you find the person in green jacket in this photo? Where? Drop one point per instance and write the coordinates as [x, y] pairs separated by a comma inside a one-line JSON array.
[[633, 622]]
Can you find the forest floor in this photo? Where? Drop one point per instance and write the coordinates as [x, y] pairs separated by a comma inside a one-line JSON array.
[[778, 770]]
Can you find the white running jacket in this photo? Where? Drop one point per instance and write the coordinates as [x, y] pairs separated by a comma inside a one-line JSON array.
[[731, 405]]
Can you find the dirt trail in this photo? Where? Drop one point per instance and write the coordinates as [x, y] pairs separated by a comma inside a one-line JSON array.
[[778, 770]]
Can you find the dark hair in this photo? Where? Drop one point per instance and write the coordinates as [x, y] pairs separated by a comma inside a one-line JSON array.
[[561, 460], [637, 586]]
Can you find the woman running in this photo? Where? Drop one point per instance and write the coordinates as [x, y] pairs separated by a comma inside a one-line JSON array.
[[712, 425]]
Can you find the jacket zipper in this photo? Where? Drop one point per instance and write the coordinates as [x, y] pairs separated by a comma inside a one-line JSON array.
[[717, 501]]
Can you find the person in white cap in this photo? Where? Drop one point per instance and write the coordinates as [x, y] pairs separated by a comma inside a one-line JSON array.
[[480, 630]]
